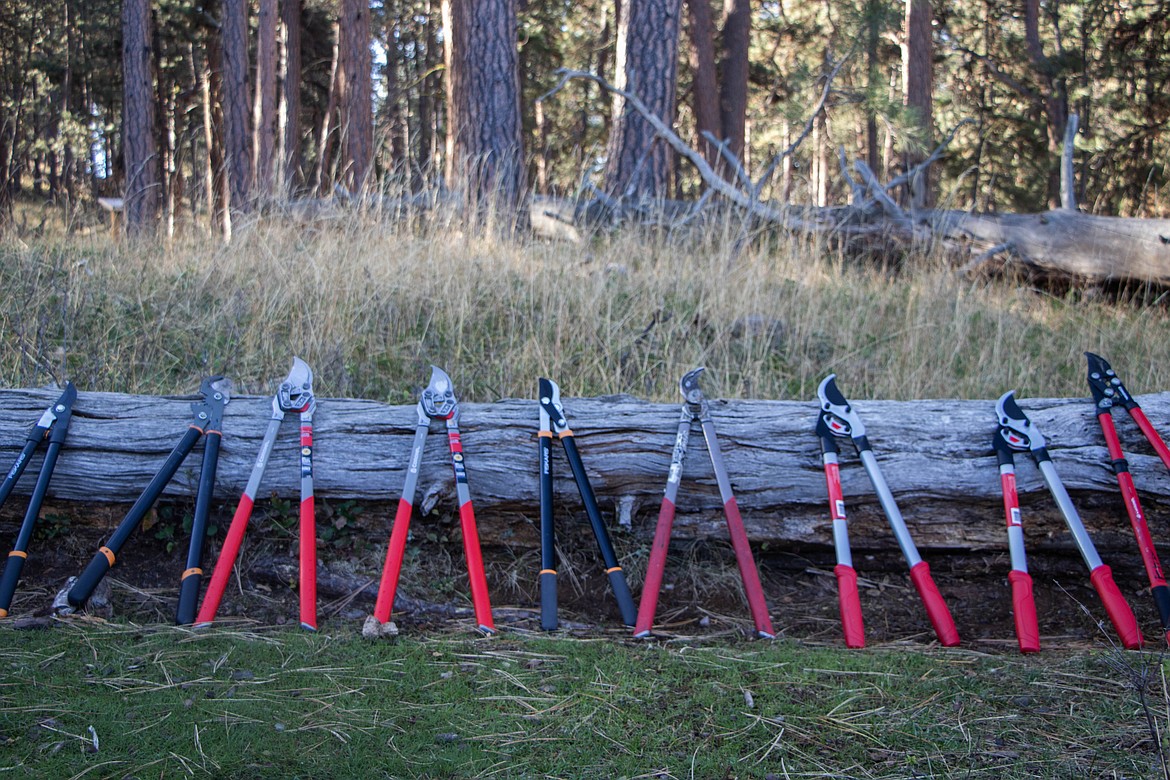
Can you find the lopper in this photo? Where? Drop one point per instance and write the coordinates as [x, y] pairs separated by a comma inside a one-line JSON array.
[[696, 409], [1108, 391], [207, 420], [553, 421], [840, 419], [295, 394], [436, 403], [1019, 435], [52, 426]]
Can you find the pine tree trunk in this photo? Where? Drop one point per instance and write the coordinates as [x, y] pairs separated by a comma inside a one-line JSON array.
[[1055, 106], [290, 96], [484, 135], [705, 89], [264, 107], [354, 99], [138, 119], [737, 30], [917, 77], [234, 32], [647, 52]]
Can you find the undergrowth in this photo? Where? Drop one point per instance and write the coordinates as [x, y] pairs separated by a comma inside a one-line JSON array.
[[371, 303]]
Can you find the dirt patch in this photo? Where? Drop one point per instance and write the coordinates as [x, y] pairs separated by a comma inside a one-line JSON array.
[[701, 598]]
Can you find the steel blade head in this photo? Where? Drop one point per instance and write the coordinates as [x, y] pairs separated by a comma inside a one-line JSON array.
[[1015, 429], [438, 398], [216, 392], [837, 415], [1104, 383], [295, 393], [689, 385], [552, 414]]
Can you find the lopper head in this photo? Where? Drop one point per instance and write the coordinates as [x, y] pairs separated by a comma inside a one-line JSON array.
[[295, 393], [216, 392], [837, 415], [1015, 429], [438, 398], [61, 409], [552, 414], [689, 386], [1105, 385]]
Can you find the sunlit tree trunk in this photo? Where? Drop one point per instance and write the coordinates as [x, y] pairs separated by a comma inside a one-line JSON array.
[[139, 119], [917, 83]]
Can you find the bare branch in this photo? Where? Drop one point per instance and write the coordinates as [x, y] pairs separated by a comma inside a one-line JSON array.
[[728, 157], [879, 193]]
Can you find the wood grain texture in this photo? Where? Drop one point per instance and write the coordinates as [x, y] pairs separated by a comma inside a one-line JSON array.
[[935, 454]]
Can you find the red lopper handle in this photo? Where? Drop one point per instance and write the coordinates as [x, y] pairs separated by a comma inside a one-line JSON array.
[[227, 559], [936, 608], [1024, 610], [851, 620], [308, 560], [1117, 607], [475, 573], [392, 568], [652, 582]]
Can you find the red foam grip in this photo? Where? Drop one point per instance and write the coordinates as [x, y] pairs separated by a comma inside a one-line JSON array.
[[227, 559], [1117, 607], [392, 568], [851, 620], [308, 560], [654, 568], [1024, 610], [936, 608], [471, 551]]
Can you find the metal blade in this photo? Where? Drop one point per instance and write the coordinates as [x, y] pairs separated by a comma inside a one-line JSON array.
[[295, 393], [552, 414], [62, 407], [1015, 429], [689, 386], [838, 417], [438, 399], [1105, 385], [216, 392]]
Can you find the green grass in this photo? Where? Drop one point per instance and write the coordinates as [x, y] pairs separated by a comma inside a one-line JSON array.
[[370, 304], [165, 702]]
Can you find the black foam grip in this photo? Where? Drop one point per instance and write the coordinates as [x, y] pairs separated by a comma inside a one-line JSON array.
[[625, 599], [548, 601], [1162, 599], [9, 579], [188, 600], [85, 585]]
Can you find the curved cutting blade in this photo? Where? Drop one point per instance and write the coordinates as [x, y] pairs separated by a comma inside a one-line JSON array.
[[689, 385], [295, 393], [552, 414], [1015, 429], [438, 398], [837, 415]]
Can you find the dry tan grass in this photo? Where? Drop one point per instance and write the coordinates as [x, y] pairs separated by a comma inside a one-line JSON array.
[[369, 303]]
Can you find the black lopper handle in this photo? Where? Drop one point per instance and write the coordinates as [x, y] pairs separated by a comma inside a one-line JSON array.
[[548, 601], [87, 583], [625, 599], [9, 579], [193, 574], [188, 597], [548, 553]]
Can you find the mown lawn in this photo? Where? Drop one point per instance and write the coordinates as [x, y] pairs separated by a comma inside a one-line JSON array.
[[242, 702]]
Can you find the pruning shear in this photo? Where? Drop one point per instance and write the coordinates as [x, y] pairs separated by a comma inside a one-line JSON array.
[[437, 402], [1108, 391], [295, 394], [51, 427], [696, 409], [1019, 434], [207, 420], [553, 421], [840, 419]]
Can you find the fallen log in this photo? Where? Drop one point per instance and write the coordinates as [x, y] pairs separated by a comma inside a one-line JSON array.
[[936, 455]]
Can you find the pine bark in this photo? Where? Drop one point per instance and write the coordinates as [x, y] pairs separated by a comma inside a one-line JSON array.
[[737, 30], [705, 89], [290, 96], [354, 99], [238, 158], [647, 64], [264, 108], [917, 83], [139, 123], [485, 148]]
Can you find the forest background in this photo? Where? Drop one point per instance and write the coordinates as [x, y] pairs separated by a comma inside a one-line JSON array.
[[197, 110]]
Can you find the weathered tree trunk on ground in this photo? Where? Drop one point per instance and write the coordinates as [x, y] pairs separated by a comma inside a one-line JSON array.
[[944, 475], [138, 119]]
